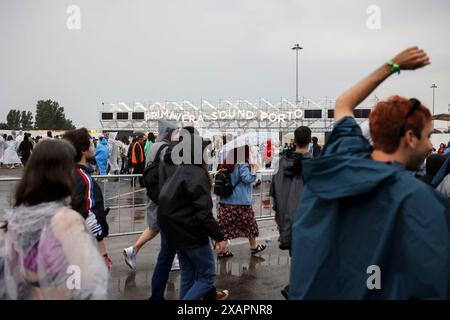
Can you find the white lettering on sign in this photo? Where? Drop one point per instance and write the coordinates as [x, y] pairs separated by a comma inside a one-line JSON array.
[[237, 114]]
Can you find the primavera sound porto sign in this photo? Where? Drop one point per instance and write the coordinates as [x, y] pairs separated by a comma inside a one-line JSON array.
[[235, 114]]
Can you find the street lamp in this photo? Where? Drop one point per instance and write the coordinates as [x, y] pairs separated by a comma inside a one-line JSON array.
[[296, 48], [433, 86]]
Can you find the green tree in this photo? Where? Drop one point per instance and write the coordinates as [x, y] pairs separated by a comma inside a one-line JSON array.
[[26, 120], [13, 119], [69, 125], [50, 116], [3, 126]]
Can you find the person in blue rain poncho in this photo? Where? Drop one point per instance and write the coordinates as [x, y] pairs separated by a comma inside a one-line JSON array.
[[101, 155], [366, 228]]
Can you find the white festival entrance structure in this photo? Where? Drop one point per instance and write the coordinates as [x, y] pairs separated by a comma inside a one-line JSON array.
[[226, 116]]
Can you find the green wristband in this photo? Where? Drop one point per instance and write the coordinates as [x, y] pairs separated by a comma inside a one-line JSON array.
[[393, 67]]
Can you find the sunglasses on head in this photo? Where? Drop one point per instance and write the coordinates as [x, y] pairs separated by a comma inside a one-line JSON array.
[[415, 104]]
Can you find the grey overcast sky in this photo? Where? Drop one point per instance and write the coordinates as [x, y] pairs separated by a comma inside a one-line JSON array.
[[156, 50]]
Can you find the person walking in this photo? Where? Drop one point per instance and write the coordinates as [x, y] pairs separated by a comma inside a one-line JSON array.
[[114, 154], [124, 146], [19, 139], [43, 241], [150, 140], [102, 155], [315, 148], [152, 230], [235, 213], [87, 197], [138, 158], [287, 188], [10, 156], [25, 149], [186, 220]]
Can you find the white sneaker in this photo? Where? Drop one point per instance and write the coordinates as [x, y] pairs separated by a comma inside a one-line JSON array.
[[130, 257], [175, 264]]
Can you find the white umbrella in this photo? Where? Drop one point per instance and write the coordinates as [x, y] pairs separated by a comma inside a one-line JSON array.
[[250, 139]]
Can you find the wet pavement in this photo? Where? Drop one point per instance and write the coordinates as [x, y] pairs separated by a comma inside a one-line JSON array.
[[245, 276]]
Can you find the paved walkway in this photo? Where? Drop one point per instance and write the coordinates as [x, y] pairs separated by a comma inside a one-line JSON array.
[[245, 276]]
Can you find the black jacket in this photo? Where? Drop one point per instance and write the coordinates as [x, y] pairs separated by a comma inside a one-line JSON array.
[[316, 150], [286, 190], [185, 209], [87, 197], [25, 148], [166, 166]]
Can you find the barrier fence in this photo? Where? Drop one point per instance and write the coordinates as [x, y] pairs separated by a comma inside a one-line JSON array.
[[128, 201]]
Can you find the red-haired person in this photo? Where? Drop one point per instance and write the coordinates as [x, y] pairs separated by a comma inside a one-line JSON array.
[[366, 228]]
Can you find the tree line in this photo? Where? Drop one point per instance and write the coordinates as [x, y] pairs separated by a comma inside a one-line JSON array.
[[49, 116]]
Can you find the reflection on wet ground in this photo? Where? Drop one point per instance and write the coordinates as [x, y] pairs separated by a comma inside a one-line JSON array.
[[246, 276]]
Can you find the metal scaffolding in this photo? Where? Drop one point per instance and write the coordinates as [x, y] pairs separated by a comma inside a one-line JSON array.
[[241, 115]]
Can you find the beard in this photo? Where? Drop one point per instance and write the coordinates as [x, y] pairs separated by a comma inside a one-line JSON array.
[[416, 161]]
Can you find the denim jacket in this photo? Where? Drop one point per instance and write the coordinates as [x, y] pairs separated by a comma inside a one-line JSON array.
[[242, 193]]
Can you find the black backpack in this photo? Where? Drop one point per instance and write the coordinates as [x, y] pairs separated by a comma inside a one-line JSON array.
[[222, 183], [151, 176]]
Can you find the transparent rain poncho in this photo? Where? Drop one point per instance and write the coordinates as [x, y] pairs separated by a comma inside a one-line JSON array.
[[46, 252]]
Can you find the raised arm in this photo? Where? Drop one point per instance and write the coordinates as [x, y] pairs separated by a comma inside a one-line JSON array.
[[409, 59]]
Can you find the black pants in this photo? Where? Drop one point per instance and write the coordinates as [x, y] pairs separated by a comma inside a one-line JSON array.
[[139, 169], [25, 158]]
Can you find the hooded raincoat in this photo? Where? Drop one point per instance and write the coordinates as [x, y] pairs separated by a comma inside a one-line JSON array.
[[361, 222], [101, 156], [114, 153]]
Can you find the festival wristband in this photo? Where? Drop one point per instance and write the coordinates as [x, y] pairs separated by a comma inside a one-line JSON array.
[[393, 67]]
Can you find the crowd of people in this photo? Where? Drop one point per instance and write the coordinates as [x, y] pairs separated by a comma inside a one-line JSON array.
[[16, 148], [341, 209]]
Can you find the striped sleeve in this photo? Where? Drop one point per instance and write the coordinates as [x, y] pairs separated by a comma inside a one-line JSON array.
[[89, 203], [89, 190]]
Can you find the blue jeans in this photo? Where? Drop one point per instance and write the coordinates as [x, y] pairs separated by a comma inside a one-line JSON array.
[[198, 272], [162, 269]]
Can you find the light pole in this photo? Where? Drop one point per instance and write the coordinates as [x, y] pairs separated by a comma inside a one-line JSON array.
[[296, 48], [433, 86]]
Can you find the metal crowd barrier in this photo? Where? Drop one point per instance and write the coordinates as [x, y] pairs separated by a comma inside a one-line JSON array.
[[120, 198]]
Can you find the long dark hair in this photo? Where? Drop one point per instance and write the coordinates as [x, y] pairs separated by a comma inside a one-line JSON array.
[[48, 174], [231, 159], [125, 140]]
